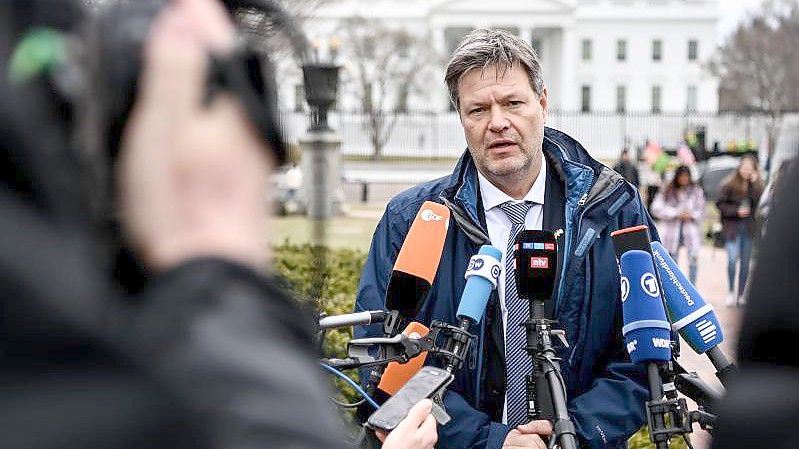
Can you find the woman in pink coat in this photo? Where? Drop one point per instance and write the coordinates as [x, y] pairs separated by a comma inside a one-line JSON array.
[[680, 208]]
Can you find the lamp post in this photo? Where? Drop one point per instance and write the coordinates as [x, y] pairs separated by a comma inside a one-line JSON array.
[[321, 89], [321, 158], [320, 161]]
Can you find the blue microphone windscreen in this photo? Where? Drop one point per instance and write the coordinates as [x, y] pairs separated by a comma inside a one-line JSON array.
[[690, 315], [482, 277], [646, 329]]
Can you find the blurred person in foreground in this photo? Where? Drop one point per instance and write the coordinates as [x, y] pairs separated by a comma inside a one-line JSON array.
[[680, 209], [738, 198], [761, 405], [517, 173], [212, 355]]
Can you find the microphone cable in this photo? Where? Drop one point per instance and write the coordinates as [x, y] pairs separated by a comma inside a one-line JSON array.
[[353, 384]]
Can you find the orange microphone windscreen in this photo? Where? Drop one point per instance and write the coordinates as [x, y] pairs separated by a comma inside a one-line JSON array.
[[397, 374], [418, 259]]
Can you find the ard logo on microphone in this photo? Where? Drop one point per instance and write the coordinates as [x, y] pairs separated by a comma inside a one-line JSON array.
[[539, 263], [625, 288], [649, 284]]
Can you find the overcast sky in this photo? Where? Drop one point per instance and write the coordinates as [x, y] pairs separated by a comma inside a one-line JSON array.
[[731, 12]]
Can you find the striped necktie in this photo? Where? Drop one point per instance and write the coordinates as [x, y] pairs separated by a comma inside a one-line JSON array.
[[517, 361]]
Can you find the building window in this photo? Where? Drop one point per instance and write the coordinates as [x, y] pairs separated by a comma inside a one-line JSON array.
[[621, 50], [403, 46], [693, 50], [621, 99], [369, 48], [585, 99], [657, 50], [690, 99], [656, 94], [453, 37], [536, 43], [586, 49], [512, 30], [299, 98]]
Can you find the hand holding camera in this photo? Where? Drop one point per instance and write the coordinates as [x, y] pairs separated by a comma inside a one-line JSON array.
[[191, 172]]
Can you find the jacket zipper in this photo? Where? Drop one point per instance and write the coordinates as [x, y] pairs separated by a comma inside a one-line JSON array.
[[578, 343], [568, 240]]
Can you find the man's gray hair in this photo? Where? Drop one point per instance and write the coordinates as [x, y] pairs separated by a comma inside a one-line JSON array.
[[483, 48]]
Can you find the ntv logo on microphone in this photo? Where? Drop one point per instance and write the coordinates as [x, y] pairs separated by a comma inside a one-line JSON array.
[[540, 263]]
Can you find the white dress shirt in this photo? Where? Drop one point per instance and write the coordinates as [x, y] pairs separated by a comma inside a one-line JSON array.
[[499, 227]]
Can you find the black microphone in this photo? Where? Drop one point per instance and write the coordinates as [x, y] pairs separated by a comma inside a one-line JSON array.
[[536, 265]]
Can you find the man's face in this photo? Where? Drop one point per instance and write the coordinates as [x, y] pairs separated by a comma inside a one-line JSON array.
[[503, 120]]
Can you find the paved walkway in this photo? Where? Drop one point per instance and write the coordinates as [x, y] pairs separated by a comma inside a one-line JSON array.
[[712, 285]]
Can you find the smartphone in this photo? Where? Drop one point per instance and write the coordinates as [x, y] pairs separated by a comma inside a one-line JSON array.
[[424, 384]]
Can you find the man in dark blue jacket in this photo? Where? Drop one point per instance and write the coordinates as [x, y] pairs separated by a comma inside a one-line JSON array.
[[518, 174]]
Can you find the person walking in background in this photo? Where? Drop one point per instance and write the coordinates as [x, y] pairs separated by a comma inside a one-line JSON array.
[[738, 197], [680, 208], [627, 168], [652, 176]]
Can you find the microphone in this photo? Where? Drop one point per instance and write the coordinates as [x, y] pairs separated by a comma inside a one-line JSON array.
[[397, 374], [646, 329], [352, 319], [535, 258], [536, 261], [410, 384], [417, 261], [691, 316], [413, 272], [482, 276]]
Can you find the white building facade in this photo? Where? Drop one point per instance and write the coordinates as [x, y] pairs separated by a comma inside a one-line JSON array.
[[647, 56]]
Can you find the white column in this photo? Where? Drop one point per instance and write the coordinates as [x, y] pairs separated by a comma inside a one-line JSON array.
[[438, 40], [526, 34], [568, 66], [440, 46]]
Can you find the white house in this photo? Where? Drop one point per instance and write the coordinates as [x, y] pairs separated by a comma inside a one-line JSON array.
[[597, 55]]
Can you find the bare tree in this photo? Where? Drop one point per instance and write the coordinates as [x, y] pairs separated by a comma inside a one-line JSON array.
[[386, 66], [758, 67]]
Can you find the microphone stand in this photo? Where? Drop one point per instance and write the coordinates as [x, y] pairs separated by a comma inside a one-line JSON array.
[[659, 406], [665, 380], [546, 364]]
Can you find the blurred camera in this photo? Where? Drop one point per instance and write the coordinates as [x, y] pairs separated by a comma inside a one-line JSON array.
[[113, 58]]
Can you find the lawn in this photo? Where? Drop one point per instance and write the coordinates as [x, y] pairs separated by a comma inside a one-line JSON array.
[[341, 232]]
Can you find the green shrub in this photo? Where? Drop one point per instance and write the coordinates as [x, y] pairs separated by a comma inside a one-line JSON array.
[[340, 274], [641, 441]]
